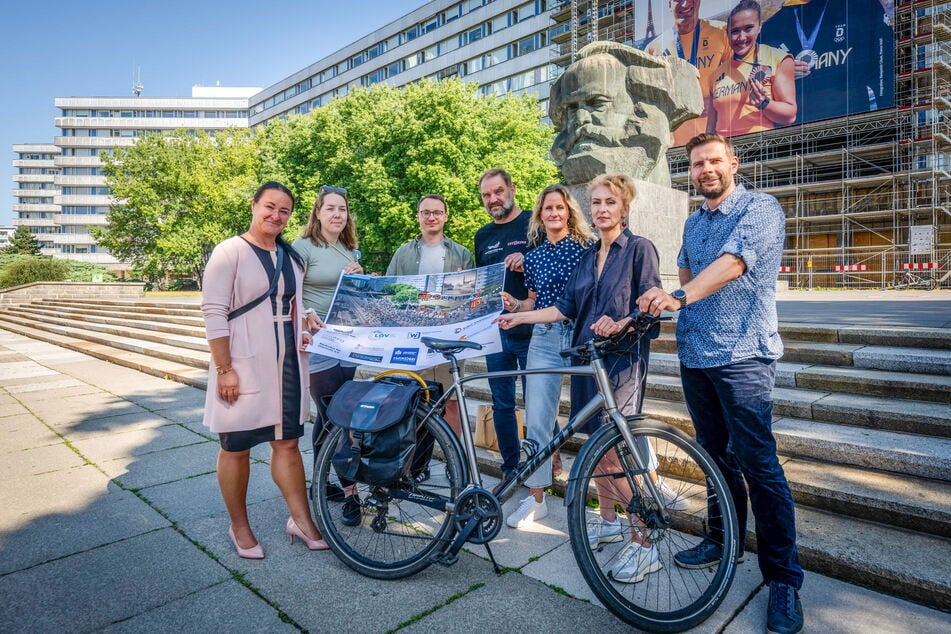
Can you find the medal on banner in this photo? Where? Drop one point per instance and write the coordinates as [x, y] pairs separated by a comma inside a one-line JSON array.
[[761, 73], [808, 54]]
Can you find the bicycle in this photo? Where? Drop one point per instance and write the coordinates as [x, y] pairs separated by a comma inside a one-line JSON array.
[[407, 527], [908, 279]]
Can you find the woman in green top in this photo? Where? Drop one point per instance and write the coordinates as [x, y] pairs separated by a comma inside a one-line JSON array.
[[328, 245]]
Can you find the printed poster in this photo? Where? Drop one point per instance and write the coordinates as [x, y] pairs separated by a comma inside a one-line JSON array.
[[380, 320]]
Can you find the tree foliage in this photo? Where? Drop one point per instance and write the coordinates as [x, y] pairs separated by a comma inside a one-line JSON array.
[[33, 269], [390, 146], [22, 242], [178, 196]]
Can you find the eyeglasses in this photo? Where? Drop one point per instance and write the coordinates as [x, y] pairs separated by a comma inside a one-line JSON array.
[[327, 189], [432, 214]]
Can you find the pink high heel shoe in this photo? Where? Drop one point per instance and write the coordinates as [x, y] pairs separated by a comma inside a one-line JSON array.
[[255, 552], [294, 530]]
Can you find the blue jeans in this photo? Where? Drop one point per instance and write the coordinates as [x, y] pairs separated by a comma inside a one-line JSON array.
[[732, 408], [514, 355], [543, 391]]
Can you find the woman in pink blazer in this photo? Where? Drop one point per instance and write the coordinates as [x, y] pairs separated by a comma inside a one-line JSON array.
[[251, 301]]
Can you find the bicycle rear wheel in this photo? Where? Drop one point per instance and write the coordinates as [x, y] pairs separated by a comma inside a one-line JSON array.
[[656, 594], [399, 528]]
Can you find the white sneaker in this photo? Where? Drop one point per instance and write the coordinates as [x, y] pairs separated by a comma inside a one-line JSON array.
[[601, 531], [528, 512], [672, 500], [634, 563]]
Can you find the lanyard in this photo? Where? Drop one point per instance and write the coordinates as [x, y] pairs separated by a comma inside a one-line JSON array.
[[808, 42], [693, 51]]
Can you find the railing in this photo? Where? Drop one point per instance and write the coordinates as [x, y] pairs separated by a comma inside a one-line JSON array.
[[871, 268]]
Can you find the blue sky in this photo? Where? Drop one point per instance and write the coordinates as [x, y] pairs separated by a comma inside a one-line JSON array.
[[62, 48]]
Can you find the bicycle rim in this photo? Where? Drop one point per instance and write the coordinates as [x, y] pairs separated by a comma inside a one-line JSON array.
[[667, 597], [395, 537]]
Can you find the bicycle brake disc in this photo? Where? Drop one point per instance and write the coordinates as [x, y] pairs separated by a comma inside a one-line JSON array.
[[480, 509]]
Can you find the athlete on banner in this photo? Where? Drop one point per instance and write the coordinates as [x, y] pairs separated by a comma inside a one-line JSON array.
[[843, 54], [702, 43]]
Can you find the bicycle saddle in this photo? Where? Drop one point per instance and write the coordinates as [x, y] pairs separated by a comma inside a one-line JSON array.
[[449, 345]]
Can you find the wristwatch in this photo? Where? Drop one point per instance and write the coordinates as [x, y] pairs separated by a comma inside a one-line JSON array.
[[762, 105], [681, 297]]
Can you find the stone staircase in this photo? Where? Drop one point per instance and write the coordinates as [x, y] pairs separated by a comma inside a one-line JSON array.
[[862, 419]]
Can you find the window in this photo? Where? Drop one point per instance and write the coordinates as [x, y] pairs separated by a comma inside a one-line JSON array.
[[473, 35], [394, 69], [376, 51], [428, 54], [499, 23], [431, 25], [449, 44], [410, 62], [356, 60], [471, 5], [411, 34]]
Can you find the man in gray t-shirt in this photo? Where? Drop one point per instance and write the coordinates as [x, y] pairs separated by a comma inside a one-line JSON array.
[[432, 252]]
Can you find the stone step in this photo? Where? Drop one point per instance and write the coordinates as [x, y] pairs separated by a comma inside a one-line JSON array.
[[184, 310], [158, 331], [902, 385], [107, 312], [899, 499], [181, 373], [175, 354], [194, 304]]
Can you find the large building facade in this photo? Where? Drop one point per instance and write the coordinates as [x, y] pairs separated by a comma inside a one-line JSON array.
[[61, 192]]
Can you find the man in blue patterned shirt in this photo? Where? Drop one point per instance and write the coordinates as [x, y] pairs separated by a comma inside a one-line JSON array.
[[728, 342]]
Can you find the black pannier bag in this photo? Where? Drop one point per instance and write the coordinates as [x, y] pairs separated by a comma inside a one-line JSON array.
[[380, 423]]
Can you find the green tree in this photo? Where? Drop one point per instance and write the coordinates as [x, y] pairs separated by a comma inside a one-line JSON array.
[[22, 242], [178, 196], [33, 269], [390, 146]]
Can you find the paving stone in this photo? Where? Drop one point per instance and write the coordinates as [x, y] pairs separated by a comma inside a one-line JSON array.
[[514, 601], [306, 584], [24, 431], [10, 407], [95, 427], [138, 442], [102, 586], [226, 607], [35, 460], [173, 398], [169, 465], [55, 384], [200, 496], [560, 569], [78, 526], [830, 605], [19, 371]]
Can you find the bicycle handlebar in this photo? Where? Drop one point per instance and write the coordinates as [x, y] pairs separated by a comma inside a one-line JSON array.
[[640, 323]]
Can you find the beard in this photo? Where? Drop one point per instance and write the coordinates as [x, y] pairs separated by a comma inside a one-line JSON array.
[[500, 213], [712, 190]]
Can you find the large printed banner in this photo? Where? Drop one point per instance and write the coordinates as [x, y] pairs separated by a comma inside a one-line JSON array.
[[379, 320], [835, 56]]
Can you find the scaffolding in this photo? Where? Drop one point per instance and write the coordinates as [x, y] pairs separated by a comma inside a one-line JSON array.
[[867, 197]]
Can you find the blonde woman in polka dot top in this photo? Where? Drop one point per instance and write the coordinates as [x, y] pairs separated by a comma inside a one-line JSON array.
[[560, 235]]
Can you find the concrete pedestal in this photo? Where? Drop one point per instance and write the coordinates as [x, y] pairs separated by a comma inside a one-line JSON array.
[[657, 213]]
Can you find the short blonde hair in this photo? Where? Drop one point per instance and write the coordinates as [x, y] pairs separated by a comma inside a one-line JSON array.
[[620, 185]]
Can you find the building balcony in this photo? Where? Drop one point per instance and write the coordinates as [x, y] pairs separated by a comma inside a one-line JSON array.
[[73, 238], [87, 181], [85, 220], [93, 258], [142, 123], [34, 178], [33, 193], [92, 141], [84, 199], [24, 207], [34, 222], [78, 161], [34, 162]]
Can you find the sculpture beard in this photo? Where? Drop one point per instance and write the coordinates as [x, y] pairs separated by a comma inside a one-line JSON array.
[[595, 150]]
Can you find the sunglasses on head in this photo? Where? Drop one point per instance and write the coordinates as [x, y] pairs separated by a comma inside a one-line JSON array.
[[333, 190]]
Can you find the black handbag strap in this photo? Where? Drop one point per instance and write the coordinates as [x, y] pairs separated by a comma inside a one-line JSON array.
[[237, 312]]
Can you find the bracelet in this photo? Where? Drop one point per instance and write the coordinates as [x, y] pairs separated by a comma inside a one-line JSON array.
[[518, 305], [223, 369], [762, 105]]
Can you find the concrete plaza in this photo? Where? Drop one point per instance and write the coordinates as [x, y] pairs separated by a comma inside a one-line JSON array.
[[111, 520]]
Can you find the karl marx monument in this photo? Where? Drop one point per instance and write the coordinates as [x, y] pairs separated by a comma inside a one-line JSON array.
[[614, 109]]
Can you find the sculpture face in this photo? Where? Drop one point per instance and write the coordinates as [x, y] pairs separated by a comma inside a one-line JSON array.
[[604, 130]]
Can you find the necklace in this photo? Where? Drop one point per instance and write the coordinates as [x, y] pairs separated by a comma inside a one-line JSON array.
[[333, 245]]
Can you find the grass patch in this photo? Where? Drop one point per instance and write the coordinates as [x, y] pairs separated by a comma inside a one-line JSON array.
[[418, 617]]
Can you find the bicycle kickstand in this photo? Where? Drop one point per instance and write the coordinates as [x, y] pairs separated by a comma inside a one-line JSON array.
[[495, 565]]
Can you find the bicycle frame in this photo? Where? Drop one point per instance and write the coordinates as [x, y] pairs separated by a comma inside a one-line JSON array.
[[604, 400]]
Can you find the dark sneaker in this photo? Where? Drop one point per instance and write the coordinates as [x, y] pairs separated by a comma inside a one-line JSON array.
[[784, 614], [704, 555], [351, 513], [506, 476], [334, 493]]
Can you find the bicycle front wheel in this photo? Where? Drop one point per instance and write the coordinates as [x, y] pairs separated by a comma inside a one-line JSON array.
[[643, 585], [394, 530]]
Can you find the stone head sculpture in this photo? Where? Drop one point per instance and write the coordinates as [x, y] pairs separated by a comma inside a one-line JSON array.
[[614, 109]]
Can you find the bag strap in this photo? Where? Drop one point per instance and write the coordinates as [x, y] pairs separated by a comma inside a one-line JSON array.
[[270, 291]]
